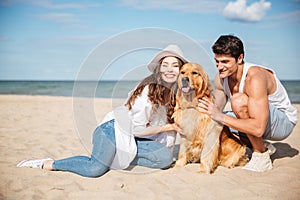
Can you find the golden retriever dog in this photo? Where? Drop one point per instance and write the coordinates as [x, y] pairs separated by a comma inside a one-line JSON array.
[[205, 140]]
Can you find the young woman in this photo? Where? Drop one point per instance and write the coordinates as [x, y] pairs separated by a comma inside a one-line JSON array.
[[140, 133]]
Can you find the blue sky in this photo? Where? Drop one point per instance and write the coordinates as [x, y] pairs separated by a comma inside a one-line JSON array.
[[51, 39]]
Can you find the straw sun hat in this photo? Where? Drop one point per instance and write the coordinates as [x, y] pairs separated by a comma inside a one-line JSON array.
[[171, 50]]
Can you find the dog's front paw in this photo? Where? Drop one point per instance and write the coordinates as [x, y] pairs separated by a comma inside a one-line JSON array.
[[205, 169], [180, 163]]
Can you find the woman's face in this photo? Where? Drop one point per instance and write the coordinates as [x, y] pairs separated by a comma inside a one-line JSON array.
[[169, 69]]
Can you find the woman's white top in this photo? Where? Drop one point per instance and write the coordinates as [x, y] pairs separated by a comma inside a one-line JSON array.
[[134, 121], [279, 98]]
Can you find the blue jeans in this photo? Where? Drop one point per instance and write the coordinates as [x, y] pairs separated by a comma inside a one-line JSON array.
[[149, 154]]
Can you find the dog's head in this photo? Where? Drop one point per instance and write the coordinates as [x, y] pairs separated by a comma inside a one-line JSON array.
[[193, 80]]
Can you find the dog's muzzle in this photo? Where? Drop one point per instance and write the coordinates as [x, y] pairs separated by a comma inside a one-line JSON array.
[[185, 82]]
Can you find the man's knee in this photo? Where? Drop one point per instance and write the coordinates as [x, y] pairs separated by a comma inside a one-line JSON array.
[[239, 105]]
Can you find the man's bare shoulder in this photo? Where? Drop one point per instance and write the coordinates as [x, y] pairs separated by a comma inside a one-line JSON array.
[[256, 70], [256, 80], [257, 73], [262, 79]]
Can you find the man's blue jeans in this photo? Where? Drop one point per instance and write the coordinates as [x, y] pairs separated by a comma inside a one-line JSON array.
[[149, 154]]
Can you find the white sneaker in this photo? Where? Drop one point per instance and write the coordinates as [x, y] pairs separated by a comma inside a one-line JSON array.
[[260, 162], [270, 147], [34, 163]]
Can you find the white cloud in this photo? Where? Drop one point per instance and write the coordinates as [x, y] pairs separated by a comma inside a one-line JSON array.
[[59, 17], [239, 11], [58, 12], [50, 4], [195, 6]]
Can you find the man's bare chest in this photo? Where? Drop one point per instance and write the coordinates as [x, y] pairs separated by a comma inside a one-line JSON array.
[[234, 87]]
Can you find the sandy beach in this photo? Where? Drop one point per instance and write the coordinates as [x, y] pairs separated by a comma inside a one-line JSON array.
[[44, 126]]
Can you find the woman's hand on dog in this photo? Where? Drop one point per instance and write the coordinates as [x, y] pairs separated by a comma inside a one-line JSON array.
[[152, 130], [178, 129], [207, 107], [171, 127]]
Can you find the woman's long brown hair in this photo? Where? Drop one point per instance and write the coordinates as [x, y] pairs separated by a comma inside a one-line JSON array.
[[158, 94]]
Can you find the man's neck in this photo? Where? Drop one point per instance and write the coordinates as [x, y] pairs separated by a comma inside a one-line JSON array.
[[237, 76]]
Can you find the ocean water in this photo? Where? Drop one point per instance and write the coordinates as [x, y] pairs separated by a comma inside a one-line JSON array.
[[293, 90], [101, 89]]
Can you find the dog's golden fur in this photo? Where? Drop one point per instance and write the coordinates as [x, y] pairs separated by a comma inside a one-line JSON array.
[[205, 141]]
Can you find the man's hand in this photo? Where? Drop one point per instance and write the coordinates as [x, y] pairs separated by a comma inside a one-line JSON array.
[[207, 107]]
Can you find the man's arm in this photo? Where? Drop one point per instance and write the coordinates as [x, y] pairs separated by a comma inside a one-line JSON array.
[[258, 107], [220, 96], [214, 109], [258, 104]]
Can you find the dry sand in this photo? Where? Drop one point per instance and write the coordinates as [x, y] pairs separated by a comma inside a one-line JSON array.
[[41, 126]]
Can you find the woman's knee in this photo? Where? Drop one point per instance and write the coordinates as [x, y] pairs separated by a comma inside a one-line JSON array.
[[153, 154], [166, 159], [96, 171], [167, 163]]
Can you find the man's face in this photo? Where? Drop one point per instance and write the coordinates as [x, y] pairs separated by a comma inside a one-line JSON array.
[[226, 64]]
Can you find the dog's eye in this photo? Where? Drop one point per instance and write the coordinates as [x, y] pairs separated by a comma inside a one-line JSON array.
[[182, 72], [194, 73]]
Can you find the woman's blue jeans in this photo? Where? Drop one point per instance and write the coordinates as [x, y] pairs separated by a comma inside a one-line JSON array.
[[149, 154]]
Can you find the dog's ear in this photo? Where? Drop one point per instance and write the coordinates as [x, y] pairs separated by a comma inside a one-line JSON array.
[[178, 93], [177, 105], [206, 88]]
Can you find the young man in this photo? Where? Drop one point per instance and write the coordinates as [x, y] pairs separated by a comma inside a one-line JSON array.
[[262, 109]]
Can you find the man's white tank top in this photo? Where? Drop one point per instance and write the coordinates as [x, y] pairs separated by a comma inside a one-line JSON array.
[[279, 98]]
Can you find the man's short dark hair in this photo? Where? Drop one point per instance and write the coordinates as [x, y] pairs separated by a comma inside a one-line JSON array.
[[230, 45]]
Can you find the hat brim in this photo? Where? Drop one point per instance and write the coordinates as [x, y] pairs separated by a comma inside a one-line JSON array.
[[159, 56]]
